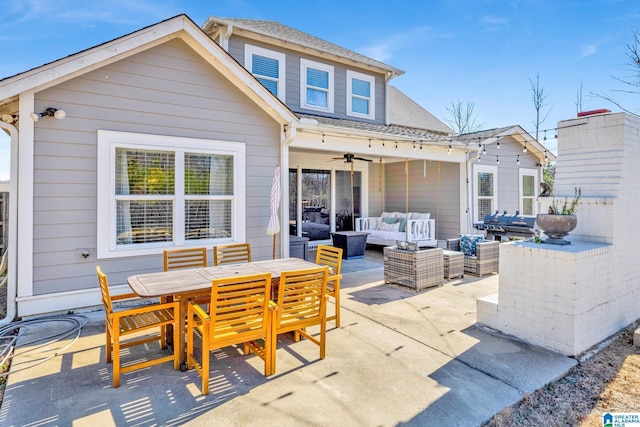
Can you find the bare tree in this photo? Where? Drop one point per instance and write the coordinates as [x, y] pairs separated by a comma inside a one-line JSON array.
[[463, 117], [630, 83], [579, 98], [538, 97]]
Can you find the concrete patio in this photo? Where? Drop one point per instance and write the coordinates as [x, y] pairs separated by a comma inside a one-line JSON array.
[[400, 358]]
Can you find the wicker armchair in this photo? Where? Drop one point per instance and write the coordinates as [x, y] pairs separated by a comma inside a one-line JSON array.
[[486, 259]]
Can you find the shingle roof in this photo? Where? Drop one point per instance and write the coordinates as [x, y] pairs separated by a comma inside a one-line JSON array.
[[385, 131], [404, 111], [291, 35]]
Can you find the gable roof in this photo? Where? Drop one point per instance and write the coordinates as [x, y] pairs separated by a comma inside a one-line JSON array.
[[491, 136], [292, 37], [181, 27], [404, 111]]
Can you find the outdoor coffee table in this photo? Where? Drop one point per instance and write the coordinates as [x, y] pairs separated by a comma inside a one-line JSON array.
[[453, 264]]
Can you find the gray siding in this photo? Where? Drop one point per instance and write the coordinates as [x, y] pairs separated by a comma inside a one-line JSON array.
[[438, 193], [236, 49], [167, 90], [508, 171]]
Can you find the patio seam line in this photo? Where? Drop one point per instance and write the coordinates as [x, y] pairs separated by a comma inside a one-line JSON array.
[[523, 392]]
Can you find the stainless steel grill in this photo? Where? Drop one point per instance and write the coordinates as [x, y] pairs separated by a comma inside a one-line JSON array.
[[503, 226]]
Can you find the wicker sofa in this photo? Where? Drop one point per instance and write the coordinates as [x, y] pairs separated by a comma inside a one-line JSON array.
[[486, 259], [414, 227]]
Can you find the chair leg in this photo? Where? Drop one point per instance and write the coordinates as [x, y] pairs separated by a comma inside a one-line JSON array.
[[205, 362], [323, 334], [336, 298], [109, 338], [116, 357], [177, 345]]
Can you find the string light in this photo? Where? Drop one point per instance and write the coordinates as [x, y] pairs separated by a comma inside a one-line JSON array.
[[414, 145], [369, 143], [396, 145], [545, 136], [546, 157], [518, 159], [484, 149], [420, 145], [323, 138], [556, 133], [524, 150], [449, 149], [479, 144], [498, 142], [497, 160]]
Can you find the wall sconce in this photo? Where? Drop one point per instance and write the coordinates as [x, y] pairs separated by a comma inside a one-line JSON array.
[[9, 118], [52, 112]]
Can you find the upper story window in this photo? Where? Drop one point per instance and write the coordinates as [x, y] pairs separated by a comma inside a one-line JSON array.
[[360, 95], [156, 192], [316, 86], [268, 67]]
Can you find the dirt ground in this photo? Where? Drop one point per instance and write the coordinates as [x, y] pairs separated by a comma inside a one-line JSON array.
[[607, 381]]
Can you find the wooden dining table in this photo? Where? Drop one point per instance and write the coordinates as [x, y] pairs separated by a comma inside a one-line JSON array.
[[187, 284]]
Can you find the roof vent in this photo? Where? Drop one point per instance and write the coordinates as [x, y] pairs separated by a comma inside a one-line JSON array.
[[592, 112]]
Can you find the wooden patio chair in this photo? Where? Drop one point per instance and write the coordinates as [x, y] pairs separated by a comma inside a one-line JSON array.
[[231, 254], [121, 323], [238, 314], [302, 297], [332, 258], [185, 258]]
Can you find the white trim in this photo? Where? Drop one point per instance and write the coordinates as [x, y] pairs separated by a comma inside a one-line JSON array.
[[306, 64], [486, 169], [536, 184], [372, 94], [107, 143], [250, 50], [24, 197]]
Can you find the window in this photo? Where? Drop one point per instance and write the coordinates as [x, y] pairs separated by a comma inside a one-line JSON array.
[[157, 191], [360, 95], [528, 185], [268, 67], [484, 191], [316, 86]]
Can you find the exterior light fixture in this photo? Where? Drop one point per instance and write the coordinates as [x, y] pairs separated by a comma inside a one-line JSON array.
[[49, 112]]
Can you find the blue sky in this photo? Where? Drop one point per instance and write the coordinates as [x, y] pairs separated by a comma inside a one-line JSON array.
[[480, 51]]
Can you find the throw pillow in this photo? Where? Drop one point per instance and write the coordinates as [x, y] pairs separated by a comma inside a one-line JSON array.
[[389, 227], [468, 243], [390, 220], [403, 225]]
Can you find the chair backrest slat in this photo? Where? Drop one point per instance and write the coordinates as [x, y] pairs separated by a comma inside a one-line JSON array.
[[329, 256], [232, 254], [239, 307], [185, 258], [104, 291], [301, 296]]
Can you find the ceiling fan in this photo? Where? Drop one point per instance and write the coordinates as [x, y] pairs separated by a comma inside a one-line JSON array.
[[350, 157]]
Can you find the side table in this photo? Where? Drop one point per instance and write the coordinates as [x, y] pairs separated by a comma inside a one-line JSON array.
[[453, 264], [352, 243], [417, 270]]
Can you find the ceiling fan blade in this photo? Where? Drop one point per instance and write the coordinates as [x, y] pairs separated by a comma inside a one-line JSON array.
[[364, 160]]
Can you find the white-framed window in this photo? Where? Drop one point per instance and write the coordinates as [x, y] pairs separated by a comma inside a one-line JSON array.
[[528, 179], [268, 66], [316, 86], [361, 95], [485, 191], [157, 192]]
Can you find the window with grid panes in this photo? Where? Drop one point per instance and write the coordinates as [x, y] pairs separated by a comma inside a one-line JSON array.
[[316, 86], [484, 191], [528, 185], [168, 192], [360, 95], [268, 67]]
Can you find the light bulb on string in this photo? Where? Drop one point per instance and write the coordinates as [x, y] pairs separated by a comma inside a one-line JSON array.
[[414, 145], [369, 143], [546, 157], [524, 150], [420, 145], [497, 160], [396, 145], [518, 159], [498, 142], [484, 149], [449, 149], [545, 136], [323, 138], [479, 144], [556, 133]]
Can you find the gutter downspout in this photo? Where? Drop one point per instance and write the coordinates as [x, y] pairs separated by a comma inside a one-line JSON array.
[[470, 160], [12, 246], [289, 135]]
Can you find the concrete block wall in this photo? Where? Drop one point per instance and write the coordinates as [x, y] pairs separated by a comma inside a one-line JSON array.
[[571, 298]]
